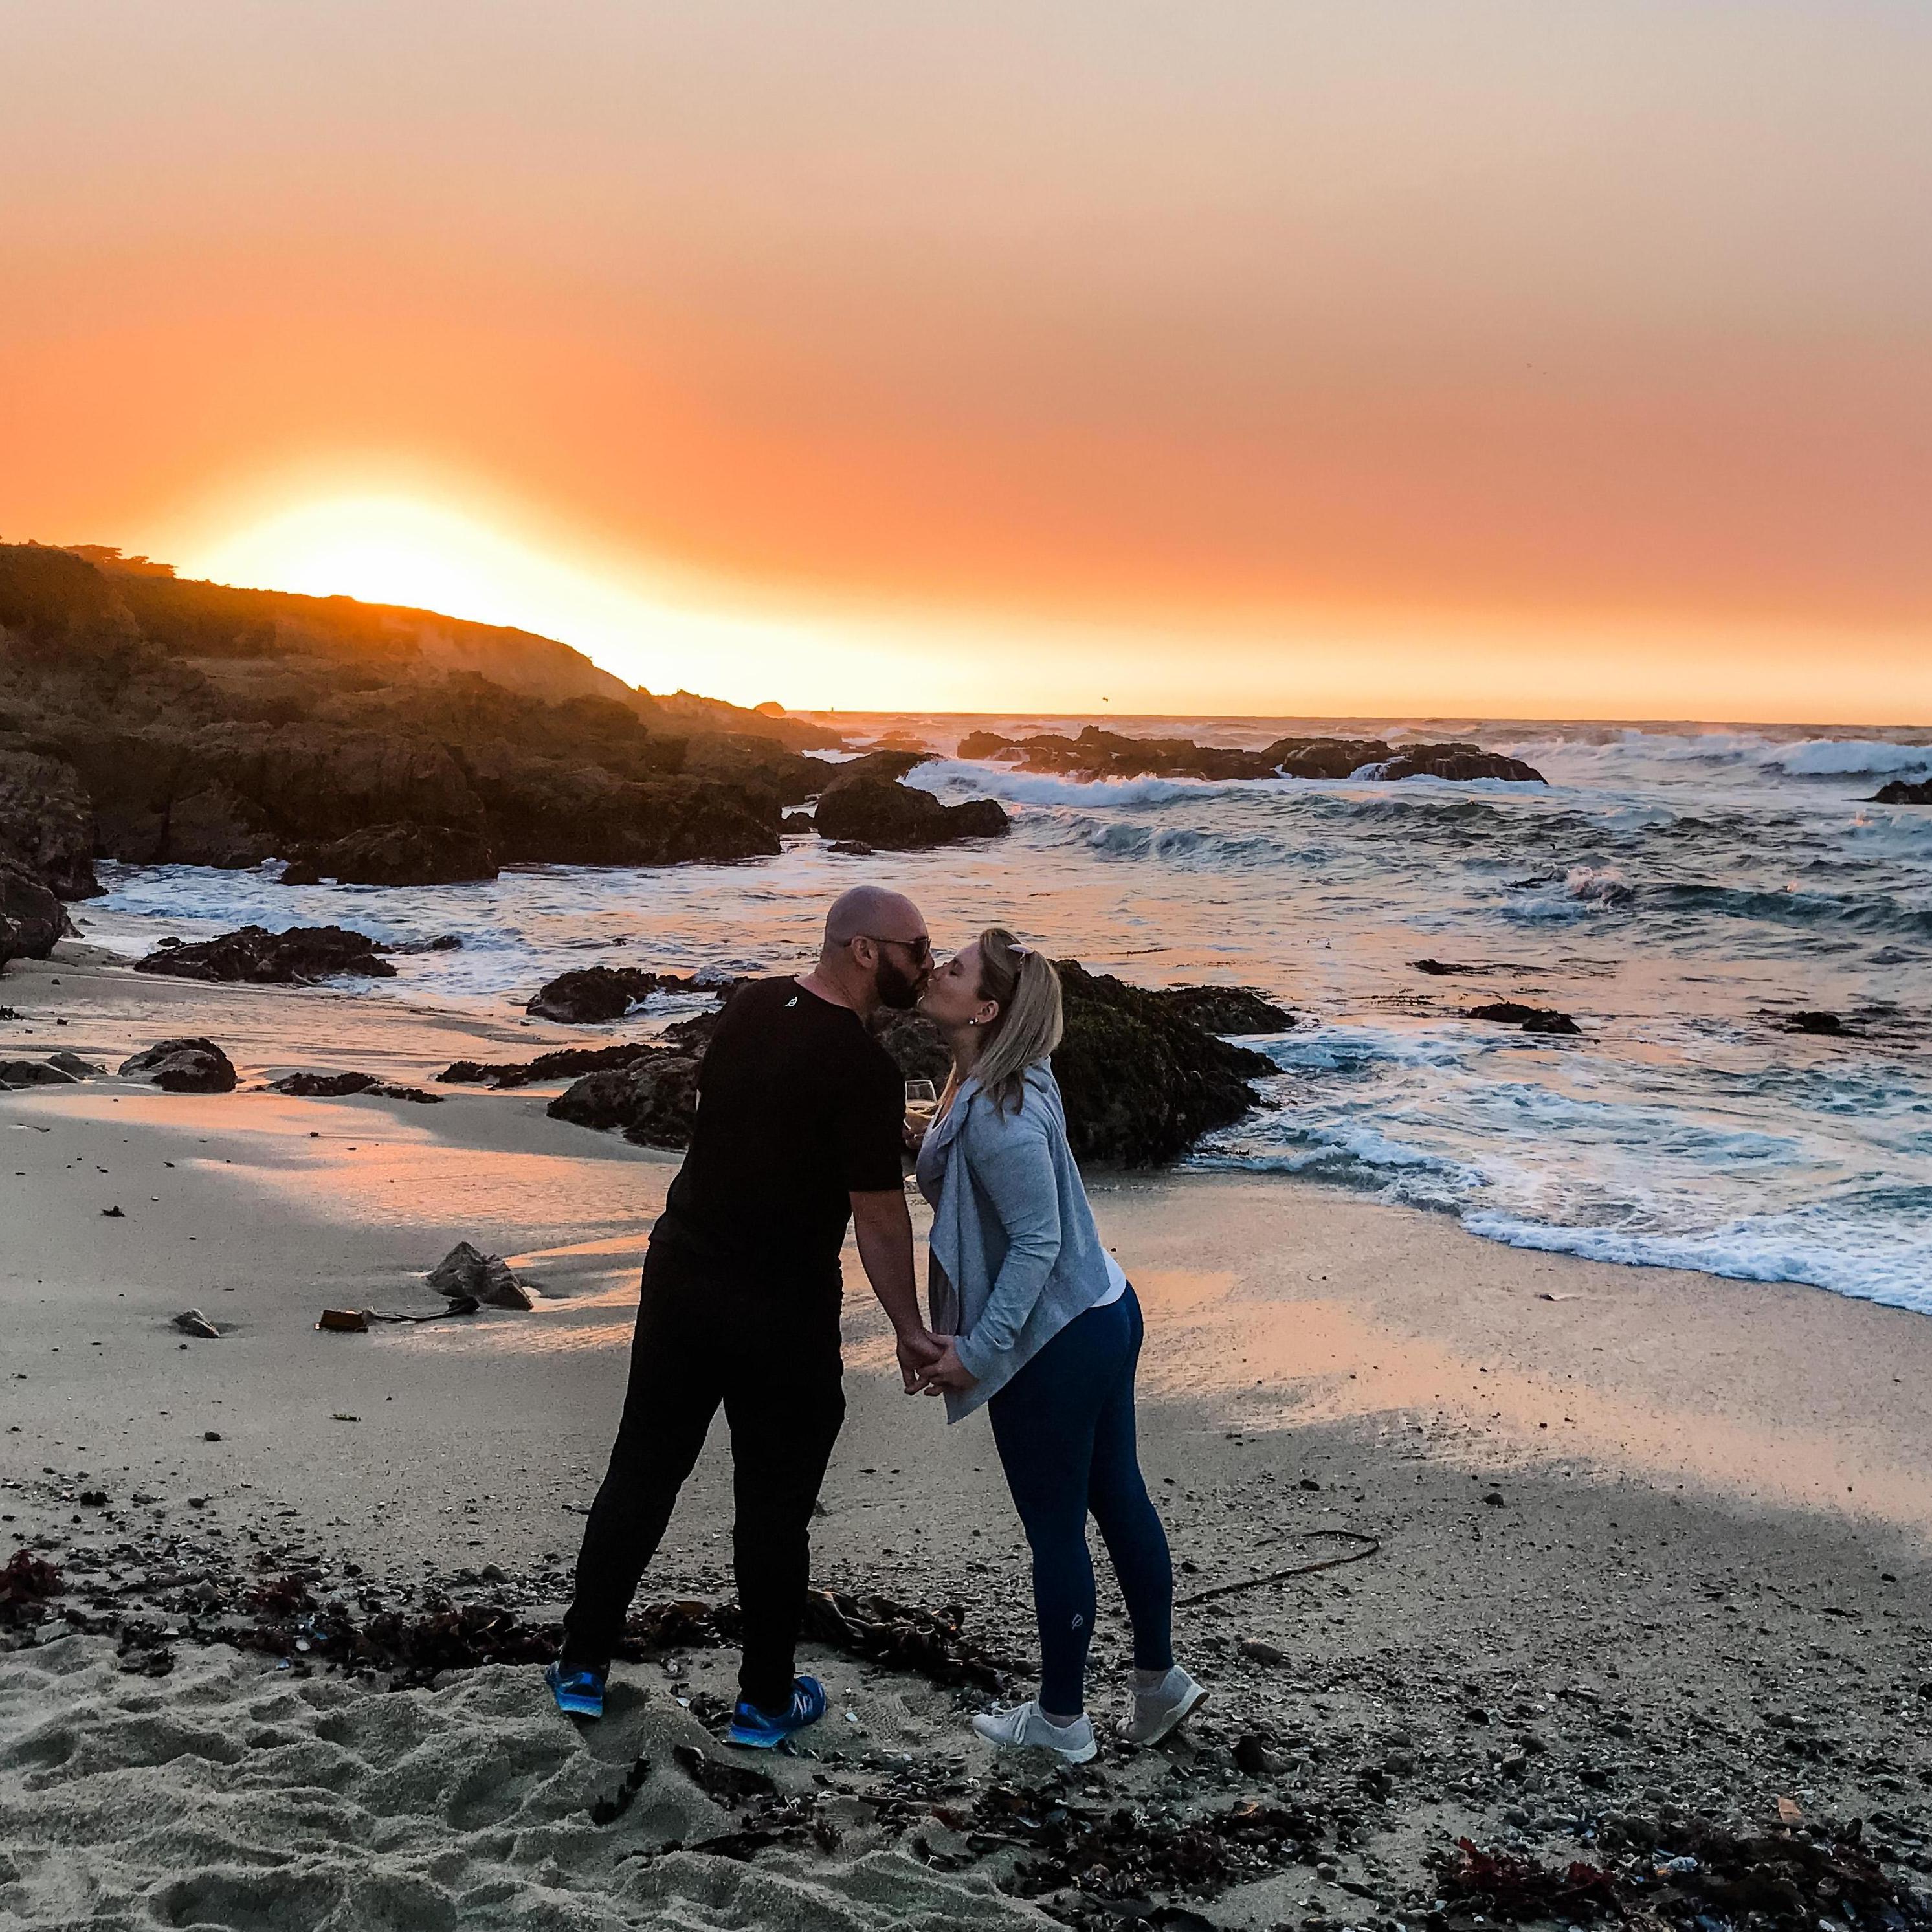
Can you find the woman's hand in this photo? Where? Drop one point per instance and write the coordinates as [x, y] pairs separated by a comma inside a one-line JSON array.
[[912, 1135], [948, 1372]]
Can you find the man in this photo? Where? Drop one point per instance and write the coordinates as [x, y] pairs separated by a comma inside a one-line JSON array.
[[799, 1126]]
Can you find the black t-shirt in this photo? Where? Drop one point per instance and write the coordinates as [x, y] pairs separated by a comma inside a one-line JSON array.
[[798, 1107]]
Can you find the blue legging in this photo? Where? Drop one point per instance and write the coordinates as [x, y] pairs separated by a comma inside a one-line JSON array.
[[1064, 1426]]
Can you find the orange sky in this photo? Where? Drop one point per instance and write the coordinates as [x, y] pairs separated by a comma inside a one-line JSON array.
[[1241, 355]]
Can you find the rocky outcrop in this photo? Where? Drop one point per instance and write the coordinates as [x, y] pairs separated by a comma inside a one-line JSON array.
[[864, 803], [1452, 761], [653, 1099], [333, 1086], [202, 725], [1904, 791], [1224, 1010], [300, 956], [395, 855], [567, 1062], [1531, 1019], [590, 995], [1098, 754], [46, 820], [31, 918], [183, 1067], [1142, 1082]]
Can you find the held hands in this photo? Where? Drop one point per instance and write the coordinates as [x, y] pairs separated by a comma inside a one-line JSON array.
[[919, 1351], [929, 1364], [948, 1372]]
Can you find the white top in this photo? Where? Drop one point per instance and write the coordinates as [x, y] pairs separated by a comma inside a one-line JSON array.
[[1116, 1282]]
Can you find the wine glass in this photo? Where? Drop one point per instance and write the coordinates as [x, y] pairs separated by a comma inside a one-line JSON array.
[[922, 1102]]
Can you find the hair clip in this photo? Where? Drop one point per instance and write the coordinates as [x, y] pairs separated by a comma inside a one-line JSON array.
[[1022, 952]]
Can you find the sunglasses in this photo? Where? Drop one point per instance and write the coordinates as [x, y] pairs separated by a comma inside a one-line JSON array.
[[921, 948]]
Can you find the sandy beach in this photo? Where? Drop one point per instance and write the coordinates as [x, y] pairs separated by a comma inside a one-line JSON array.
[[1647, 1545]]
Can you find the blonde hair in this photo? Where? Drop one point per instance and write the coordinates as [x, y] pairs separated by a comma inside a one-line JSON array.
[[1021, 980]]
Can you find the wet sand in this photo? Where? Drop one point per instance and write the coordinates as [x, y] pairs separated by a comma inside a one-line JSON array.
[[1696, 1505]]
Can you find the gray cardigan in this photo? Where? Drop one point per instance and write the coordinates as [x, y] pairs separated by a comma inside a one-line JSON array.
[[1015, 1253]]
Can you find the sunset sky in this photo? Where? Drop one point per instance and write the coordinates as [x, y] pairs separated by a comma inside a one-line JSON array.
[[1562, 358]]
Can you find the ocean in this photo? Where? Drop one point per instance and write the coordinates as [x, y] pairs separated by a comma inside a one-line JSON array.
[[1680, 891]]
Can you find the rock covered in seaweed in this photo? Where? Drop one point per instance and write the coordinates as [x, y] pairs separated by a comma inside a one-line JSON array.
[[299, 956], [1904, 791], [652, 1098]]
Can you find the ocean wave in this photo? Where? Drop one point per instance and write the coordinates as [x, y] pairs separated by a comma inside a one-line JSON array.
[[1632, 753]]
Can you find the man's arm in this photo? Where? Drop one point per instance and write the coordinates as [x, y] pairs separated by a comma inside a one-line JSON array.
[[883, 1230]]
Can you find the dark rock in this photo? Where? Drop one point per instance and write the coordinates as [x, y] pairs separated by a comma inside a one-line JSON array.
[[1326, 757], [183, 1066], [1531, 1019], [798, 821], [72, 1062], [395, 855], [300, 956], [1142, 1082], [32, 920], [1254, 1759], [1904, 791], [444, 942], [851, 848], [1442, 969], [18, 1073], [387, 1089], [467, 1271], [46, 821], [1227, 1009], [863, 802], [192, 1322], [653, 1099], [591, 994], [1452, 761], [323, 1086], [1257, 1651], [1099, 753], [1827, 1024], [567, 1062]]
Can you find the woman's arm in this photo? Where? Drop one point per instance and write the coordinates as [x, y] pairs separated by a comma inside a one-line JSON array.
[[1012, 1164]]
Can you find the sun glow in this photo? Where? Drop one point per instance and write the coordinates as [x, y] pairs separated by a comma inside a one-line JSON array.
[[395, 549]]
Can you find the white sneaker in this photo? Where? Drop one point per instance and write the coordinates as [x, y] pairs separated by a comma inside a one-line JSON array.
[[1159, 1713], [1024, 1727]]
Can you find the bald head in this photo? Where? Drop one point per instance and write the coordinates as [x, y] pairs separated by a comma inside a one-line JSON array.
[[871, 912]]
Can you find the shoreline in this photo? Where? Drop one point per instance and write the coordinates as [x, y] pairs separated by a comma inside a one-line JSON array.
[[1700, 1585]]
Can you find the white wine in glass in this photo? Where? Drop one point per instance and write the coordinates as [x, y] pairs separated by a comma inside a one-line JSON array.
[[922, 1102]]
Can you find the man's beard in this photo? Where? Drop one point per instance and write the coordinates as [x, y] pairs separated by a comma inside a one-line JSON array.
[[896, 988]]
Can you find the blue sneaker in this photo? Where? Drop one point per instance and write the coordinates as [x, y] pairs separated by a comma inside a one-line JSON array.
[[579, 1693], [766, 1730]]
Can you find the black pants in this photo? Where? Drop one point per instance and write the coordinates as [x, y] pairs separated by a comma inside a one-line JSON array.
[[771, 1357]]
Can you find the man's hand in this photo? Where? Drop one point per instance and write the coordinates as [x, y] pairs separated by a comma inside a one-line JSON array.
[[918, 1350], [948, 1372]]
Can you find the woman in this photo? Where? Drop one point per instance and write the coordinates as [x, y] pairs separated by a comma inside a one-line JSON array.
[[1045, 1330]]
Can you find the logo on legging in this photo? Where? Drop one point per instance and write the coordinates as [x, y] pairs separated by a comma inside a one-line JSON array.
[[1078, 1621]]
